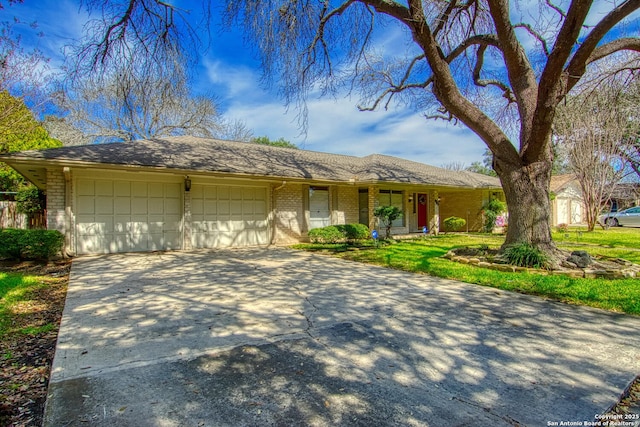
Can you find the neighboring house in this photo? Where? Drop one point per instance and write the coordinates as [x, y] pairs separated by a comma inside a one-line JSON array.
[[624, 195], [186, 193], [567, 207]]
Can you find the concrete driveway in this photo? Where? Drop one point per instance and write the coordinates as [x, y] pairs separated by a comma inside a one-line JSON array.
[[277, 337]]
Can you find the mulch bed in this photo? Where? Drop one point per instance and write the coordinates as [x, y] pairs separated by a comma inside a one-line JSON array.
[[25, 360]]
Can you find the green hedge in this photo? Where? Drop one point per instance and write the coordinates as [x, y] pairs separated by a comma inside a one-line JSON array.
[[453, 223], [354, 231], [30, 244], [339, 233]]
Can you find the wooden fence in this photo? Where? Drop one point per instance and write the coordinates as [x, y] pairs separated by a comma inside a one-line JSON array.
[[11, 218]]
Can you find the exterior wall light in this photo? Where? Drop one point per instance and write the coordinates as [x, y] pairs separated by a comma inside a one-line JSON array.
[[187, 184]]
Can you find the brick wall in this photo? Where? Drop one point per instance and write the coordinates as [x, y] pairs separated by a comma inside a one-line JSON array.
[[186, 222], [463, 204], [346, 210], [56, 200], [288, 214]]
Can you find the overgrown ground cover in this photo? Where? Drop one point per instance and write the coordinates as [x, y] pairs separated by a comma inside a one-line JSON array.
[[32, 298], [424, 255]]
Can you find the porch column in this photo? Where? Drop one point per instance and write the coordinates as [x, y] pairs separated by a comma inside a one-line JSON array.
[[186, 223], [434, 223], [373, 203]]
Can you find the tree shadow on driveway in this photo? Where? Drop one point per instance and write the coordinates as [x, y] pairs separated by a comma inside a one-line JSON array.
[[277, 337]]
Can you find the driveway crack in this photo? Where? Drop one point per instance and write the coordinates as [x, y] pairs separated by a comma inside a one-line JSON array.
[[310, 324]]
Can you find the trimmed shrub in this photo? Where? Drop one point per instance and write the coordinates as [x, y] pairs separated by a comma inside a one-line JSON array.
[[453, 223], [10, 243], [387, 214], [525, 255], [354, 231], [339, 233], [329, 234], [492, 210], [30, 244]]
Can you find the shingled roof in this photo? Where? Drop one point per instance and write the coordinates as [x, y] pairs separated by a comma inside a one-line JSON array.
[[211, 155]]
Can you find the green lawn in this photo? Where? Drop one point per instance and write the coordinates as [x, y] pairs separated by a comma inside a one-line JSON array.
[[16, 303], [425, 256]]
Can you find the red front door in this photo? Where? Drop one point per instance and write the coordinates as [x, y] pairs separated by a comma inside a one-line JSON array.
[[422, 210]]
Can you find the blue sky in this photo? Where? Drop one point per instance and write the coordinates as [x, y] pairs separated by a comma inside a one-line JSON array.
[[229, 71]]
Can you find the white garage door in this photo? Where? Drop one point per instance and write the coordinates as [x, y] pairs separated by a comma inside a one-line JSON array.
[[228, 216], [125, 216]]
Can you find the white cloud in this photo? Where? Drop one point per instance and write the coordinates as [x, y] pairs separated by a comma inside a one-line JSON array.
[[234, 80], [61, 22], [337, 126]]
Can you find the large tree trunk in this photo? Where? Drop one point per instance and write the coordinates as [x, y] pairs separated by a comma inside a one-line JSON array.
[[526, 189]]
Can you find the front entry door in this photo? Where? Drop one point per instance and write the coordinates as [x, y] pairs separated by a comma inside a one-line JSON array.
[[422, 210]]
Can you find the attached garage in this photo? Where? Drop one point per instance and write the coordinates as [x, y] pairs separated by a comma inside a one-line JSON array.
[[228, 216], [121, 215]]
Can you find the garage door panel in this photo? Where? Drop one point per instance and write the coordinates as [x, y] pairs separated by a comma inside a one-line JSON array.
[[105, 223], [223, 193], [104, 205], [210, 207], [122, 205], [172, 223], [139, 205], [197, 207], [172, 207], [260, 209], [104, 188], [236, 208], [173, 191], [156, 206], [138, 227], [120, 216], [139, 189], [88, 226], [121, 224], [92, 244], [248, 194], [86, 205], [210, 192], [85, 188], [173, 240], [155, 189], [231, 216], [223, 208], [155, 226], [122, 189]]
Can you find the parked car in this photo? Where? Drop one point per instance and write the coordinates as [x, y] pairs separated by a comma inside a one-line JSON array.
[[628, 218]]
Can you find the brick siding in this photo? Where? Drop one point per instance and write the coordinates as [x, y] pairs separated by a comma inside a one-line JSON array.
[[347, 209], [288, 214], [56, 200], [463, 204]]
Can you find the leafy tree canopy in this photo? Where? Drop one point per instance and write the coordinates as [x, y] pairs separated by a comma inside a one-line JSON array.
[[19, 131], [281, 142]]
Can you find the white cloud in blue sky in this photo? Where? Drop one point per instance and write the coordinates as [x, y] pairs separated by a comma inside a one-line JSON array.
[[229, 71]]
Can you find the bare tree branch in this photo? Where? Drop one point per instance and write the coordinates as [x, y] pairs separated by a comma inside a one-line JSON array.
[[536, 35], [581, 58]]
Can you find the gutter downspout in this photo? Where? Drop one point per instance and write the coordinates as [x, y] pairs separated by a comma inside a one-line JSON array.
[[68, 234]]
